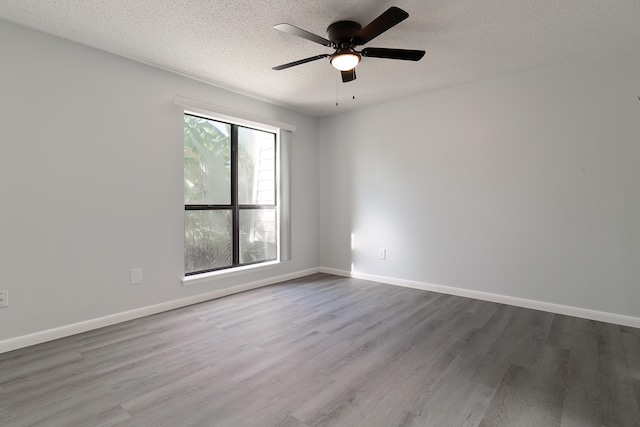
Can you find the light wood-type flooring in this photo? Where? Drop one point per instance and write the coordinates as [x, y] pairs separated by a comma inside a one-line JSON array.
[[326, 350]]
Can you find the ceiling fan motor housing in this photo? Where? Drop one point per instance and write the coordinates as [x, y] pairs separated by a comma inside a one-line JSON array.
[[342, 32]]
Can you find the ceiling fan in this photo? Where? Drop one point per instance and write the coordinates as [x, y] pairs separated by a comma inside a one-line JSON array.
[[344, 36]]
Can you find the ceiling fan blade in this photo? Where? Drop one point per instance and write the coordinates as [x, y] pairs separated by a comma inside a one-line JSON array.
[[389, 18], [348, 76], [290, 29], [405, 54], [301, 61]]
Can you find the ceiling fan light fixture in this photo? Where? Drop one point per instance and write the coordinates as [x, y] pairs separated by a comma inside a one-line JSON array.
[[345, 61]]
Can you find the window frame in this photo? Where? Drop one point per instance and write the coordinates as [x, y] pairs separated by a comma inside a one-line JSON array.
[[234, 206]]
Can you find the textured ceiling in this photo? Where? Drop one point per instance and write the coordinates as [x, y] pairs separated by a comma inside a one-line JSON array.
[[232, 44]]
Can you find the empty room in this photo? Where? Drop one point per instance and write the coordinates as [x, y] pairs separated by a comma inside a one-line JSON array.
[[303, 213]]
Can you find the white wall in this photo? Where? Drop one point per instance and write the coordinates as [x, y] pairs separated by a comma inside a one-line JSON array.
[[526, 186], [91, 183]]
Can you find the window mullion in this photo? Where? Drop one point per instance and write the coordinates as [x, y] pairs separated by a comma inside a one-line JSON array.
[[234, 195]]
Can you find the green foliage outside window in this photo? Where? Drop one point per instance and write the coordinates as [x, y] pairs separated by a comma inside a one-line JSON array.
[[207, 181]]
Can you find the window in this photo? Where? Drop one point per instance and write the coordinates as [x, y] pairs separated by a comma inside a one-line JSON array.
[[230, 195]]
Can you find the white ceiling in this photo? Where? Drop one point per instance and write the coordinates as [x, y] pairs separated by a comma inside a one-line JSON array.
[[232, 44]]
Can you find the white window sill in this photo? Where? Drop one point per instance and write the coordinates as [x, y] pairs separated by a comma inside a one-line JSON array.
[[197, 279]]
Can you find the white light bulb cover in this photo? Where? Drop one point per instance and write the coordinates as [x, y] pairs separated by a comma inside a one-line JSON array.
[[345, 61]]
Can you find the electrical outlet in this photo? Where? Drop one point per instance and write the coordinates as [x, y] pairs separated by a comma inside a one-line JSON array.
[[4, 298], [136, 276], [382, 253]]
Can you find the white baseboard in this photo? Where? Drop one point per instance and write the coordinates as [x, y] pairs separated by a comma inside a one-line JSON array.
[[601, 316], [336, 272], [76, 328], [100, 322]]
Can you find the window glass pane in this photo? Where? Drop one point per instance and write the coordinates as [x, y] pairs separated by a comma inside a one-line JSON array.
[[257, 235], [256, 167], [207, 240], [207, 162]]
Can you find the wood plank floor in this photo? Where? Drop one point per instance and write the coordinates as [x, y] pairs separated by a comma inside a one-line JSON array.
[[325, 350]]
